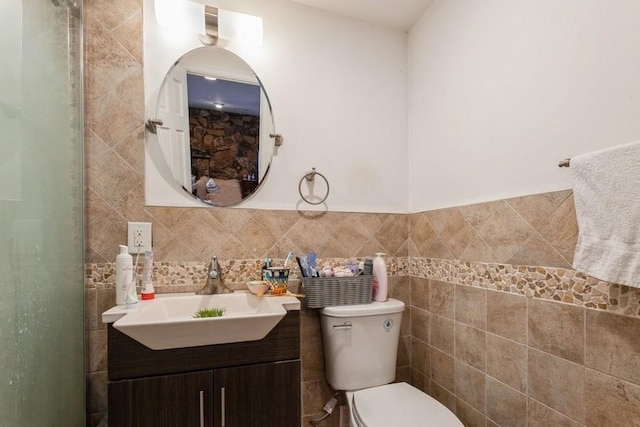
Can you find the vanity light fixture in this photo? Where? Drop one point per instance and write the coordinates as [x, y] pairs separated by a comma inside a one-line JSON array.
[[215, 26], [210, 78], [218, 105]]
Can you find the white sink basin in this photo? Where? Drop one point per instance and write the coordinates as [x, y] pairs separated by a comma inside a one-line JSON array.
[[167, 321]]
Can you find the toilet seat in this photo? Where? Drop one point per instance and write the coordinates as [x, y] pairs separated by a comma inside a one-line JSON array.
[[398, 405]]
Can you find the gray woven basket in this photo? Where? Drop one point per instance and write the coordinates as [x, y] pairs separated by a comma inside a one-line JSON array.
[[329, 291]]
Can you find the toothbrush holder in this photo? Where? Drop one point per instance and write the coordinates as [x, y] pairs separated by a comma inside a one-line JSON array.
[[278, 278]]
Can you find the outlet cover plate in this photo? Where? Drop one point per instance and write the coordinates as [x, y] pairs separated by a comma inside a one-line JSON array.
[[139, 237]]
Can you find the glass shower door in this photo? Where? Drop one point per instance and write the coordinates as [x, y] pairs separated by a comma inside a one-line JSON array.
[[41, 249]]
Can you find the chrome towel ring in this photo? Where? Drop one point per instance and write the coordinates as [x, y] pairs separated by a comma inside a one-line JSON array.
[[309, 177]]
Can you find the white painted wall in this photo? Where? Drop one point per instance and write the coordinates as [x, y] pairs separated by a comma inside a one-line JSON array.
[[338, 89], [501, 90]]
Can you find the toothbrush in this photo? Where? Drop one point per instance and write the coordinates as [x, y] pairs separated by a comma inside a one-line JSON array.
[[288, 260], [300, 266], [313, 264]]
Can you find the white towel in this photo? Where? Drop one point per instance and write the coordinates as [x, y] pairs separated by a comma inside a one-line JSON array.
[[606, 187]]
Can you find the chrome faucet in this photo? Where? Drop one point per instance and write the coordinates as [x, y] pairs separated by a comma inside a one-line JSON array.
[[215, 281]]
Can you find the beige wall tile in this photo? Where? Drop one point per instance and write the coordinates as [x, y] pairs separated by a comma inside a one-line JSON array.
[[97, 350], [420, 381], [97, 393], [537, 251], [505, 406], [106, 298], [478, 214], [561, 230], [611, 402], [353, 233], [442, 333], [405, 327], [438, 218], [420, 324], [311, 349], [438, 249], [539, 415], [471, 306], [441, 298], [457, 233], [470, 346], [470, 386], [443, 396], [420, 292], [112, 12], [537, 208], [421, 233], [507, 315], [505, 232], [129, 34], [400, 289], [393, 234], [91, 310], [613, 345], [442, 369], [403, 375], [557, 383], [111, 119], [470, 417], [420, 357], [507, 362], [403, 358], [478, 251], [557, 329]]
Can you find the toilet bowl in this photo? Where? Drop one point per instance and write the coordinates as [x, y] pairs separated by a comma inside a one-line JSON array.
[[360, 350]]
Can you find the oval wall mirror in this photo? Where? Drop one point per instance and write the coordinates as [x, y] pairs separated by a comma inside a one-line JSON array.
[[215, 126]]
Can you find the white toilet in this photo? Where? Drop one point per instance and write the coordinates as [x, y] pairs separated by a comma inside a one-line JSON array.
[[360, 349]]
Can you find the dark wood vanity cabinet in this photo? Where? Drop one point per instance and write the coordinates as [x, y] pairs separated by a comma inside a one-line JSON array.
[[167, 400], [250, 384], [257, 395]]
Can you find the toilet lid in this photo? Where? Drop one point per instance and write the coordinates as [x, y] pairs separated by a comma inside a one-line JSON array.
[[400, 405]]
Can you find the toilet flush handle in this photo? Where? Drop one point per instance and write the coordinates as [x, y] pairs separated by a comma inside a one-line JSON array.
[[345, 325]]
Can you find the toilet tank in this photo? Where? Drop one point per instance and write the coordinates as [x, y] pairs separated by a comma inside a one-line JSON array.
[[361, 343]]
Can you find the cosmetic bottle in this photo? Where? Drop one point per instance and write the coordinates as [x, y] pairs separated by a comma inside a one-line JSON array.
[[380, 282], [124, 276], [148, 292]]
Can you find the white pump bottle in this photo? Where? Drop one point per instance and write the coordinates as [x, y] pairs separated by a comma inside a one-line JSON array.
[[125, 288], [380, 280]]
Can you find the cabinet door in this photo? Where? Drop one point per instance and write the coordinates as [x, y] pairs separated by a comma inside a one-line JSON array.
[[266, 395], [183, 400]]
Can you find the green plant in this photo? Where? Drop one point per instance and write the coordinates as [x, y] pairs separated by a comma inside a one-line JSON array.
[[209, 312]]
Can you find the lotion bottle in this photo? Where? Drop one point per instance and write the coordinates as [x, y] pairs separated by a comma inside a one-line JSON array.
[[380, 282], [124, 277], [148, 292]]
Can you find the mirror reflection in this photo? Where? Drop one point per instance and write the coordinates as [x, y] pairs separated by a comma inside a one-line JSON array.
[[216, 121]]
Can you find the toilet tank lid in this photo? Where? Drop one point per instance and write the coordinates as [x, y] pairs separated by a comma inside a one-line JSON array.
[[387, 307]]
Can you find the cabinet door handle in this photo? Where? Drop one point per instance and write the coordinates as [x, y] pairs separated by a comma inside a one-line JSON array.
[[201, 408], [222, 407]]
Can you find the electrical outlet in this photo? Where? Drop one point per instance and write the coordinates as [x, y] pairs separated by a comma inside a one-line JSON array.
[[139, 237]]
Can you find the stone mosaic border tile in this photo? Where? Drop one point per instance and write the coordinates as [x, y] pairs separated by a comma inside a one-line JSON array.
[[548, 283], [190, 276]]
